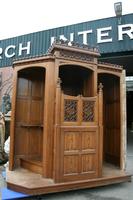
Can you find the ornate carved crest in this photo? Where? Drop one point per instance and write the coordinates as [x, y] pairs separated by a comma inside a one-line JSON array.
[[76, 55]]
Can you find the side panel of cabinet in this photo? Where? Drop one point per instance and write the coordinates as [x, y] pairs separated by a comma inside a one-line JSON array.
[[29, 115]]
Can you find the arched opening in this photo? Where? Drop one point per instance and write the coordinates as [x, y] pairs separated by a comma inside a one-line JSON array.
[[111, 118], [29, 117], [76, 80]]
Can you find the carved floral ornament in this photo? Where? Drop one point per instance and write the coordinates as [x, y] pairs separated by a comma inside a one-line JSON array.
[[68, 50], [76, 55]]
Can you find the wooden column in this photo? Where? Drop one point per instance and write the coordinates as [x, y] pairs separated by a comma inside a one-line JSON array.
[[100, 121], [57, 132], [49, 106], [123, 137]]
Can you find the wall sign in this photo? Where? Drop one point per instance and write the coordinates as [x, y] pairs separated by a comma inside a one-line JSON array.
[[106, 34]]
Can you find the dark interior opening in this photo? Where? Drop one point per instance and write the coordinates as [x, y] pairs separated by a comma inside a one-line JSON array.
[[129, 110], [76, 80], [111, 118]]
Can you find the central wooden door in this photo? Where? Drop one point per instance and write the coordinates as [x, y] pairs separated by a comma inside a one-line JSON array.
[[29, 118], [79, 153], [78, 138]]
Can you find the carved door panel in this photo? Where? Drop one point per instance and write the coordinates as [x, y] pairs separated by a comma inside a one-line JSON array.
[[79, 153], [78, 139]]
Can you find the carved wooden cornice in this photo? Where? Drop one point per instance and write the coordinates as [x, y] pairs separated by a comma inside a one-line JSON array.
[[33, 60], [70, 51], [73, 50], [76, 56], [72, 45], [109, 66]]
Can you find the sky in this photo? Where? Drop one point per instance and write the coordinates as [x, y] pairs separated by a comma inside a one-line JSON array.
[[20, 17]]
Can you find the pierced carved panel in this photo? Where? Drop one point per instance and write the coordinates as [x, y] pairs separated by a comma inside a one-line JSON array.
[[88, 111], [70, 110], [76, 55]]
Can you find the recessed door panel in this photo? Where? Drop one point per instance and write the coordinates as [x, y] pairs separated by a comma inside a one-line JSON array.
[[79, 155], [36, 111], [22, 110]]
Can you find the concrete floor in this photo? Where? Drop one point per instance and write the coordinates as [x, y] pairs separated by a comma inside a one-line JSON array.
[[123, 191]]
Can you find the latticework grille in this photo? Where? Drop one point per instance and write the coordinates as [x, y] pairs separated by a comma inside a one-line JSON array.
[[88, 111], [70, 110]]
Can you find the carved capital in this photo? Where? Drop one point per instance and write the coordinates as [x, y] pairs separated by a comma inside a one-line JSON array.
[[100, 87], [59, 82]]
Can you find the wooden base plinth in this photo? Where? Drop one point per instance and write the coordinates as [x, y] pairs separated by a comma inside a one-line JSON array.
[[24, 181]]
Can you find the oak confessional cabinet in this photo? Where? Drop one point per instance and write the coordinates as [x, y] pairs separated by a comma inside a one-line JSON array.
[[67, 123]]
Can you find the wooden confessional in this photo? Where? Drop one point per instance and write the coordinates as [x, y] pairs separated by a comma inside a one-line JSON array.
[[67, 123]]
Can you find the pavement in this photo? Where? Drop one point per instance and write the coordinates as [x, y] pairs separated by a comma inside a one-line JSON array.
[[122, 191]]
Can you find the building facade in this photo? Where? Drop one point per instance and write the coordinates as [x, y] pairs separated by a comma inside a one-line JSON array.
[[113, 38]]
